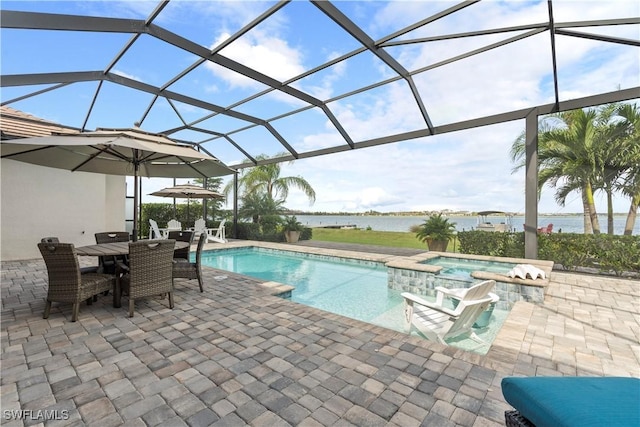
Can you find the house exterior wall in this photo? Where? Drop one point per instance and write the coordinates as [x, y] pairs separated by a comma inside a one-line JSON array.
[[37, 202]]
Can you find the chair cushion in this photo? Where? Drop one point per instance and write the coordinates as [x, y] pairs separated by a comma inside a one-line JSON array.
[[575, 401]]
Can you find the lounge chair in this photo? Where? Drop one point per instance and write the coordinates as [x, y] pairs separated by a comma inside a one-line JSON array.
[[439, 323], [183, 268], [66, 283], [213, 234], [572, 401], [154, 231], [150, 270]]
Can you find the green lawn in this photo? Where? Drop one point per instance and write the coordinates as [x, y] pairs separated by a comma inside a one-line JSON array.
[[398, 239]]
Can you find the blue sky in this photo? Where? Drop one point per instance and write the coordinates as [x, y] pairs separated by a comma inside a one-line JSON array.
[[467, 170]]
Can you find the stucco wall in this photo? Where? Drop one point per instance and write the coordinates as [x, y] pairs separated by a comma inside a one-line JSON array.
[[36, 202]]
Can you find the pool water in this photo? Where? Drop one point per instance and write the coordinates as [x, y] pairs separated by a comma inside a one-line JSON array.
[[355, 289], [464, 267]]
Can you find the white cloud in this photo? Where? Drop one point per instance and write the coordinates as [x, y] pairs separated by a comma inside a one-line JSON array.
[[375, 198], [129, 76], [325, 88], [269, 55]]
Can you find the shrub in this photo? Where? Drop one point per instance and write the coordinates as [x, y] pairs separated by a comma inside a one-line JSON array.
[[606, 253], [253, 231], [436, 228], [492, 243], [291, 223]]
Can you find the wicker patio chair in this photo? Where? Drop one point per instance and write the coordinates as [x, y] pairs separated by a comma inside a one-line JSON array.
[[66, 283], [184, 269], [150, 270], [182, 236], [83, 270], [109, 263]]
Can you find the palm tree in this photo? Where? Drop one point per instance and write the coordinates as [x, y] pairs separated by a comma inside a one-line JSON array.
[[566, 158], [587, 151], [606, 150], [258, 206], [629, 158], [266, 179]]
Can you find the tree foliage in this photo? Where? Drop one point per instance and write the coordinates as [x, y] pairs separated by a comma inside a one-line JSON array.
[[265, 179], [263, 193], [587, 151]]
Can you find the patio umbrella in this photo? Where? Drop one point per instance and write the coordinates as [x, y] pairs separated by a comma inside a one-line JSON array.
[[131, 152], [187, 191]]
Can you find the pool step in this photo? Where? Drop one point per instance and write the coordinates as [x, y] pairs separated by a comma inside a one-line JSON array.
[[278, 289]]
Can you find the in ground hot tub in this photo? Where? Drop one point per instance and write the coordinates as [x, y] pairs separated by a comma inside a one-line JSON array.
[[421, 274]]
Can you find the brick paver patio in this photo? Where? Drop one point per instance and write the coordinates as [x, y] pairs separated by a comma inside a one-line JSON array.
[[236, 355]]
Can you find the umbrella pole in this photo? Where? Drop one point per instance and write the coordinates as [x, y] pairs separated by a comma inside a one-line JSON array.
[[175, 214], [135, 203], [205, 184], [139, 203]]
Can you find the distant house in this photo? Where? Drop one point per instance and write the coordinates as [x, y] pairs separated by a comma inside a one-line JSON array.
[[38, 202]]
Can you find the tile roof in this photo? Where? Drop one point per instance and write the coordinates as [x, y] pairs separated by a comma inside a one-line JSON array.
[[18, 124]]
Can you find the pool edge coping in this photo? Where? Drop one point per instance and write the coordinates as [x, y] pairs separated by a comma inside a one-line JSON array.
[[411, 262]]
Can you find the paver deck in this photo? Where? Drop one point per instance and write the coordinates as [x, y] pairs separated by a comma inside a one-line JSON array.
[[236, 355]]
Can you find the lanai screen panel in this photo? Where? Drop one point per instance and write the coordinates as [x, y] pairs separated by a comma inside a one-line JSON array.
[[236, 77], [308, 130], [118, 106]]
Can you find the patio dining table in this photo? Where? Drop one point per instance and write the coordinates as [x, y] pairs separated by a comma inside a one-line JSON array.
[[115, 249]]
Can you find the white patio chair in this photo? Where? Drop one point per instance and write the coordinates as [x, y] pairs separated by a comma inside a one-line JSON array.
[[174, 225], [154, 231], [218, 234], [199, 227], [439, 323], [213, 234]]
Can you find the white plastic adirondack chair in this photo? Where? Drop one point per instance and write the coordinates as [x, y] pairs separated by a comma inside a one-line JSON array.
[[218, 234], [155, 231], [477, 291], [439, 323], [199, 227], [174, 224], [213, 234]]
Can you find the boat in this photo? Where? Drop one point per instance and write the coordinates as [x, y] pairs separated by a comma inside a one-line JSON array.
[[494, 221]]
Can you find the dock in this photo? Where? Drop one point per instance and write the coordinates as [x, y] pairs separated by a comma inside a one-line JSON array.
[[335, 226]]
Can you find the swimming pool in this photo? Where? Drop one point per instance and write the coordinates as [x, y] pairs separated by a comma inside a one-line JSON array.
[[352, 288]]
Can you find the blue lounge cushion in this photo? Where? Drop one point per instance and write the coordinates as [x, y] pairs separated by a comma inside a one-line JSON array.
[[575, 401]]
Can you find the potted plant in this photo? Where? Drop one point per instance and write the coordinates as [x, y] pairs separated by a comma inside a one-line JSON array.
[[292, 229], [436, 231]]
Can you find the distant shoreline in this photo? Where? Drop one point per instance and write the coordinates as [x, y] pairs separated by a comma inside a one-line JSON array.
[[421, 214], [565, 223]]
